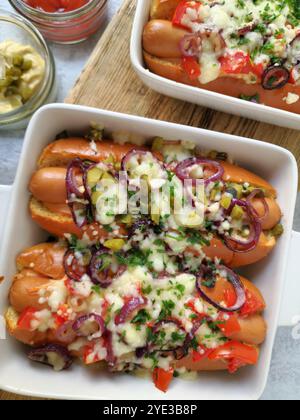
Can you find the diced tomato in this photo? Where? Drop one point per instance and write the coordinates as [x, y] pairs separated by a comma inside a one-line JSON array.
[[105, 307], [252, 305], [258, 69], [191, 67], [230, 325], [24, 321], [237, 63], [87, 351], [234, 365], [235, 350], [181, 11], [162, 378], [229, 297], [63, 315], [54, 6], [201, 353], [294, 75]]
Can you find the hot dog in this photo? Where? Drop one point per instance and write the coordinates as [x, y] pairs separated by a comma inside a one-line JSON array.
[[50, 210], [163, 53], [39, 304]]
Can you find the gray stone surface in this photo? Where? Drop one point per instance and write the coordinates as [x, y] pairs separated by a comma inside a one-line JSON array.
[[284, 378]]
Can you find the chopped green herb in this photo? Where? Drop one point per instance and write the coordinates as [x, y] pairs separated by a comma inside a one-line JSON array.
[[141, 317]]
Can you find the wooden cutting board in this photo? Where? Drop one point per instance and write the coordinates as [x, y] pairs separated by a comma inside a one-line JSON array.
[[109, 82]]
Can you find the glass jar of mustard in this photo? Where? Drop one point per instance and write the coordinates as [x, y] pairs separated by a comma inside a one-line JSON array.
[[27, 71]]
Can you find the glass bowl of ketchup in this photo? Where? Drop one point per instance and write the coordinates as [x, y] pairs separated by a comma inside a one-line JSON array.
[[63, 21]]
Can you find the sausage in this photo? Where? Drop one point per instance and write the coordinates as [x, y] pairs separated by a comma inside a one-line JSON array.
[[26, 288], [162, 39], [203, 365], [217, 249], [48, 185], [171, 68], [45, 259], [163, 9]]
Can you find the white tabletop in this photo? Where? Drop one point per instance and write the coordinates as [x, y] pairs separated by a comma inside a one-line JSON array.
[[284, 378]]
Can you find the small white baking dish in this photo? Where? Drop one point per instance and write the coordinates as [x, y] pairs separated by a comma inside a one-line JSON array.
[[195, 95], [277, 165]]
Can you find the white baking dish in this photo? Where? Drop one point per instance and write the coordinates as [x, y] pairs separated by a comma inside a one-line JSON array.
[[277, 165], [195, 95]]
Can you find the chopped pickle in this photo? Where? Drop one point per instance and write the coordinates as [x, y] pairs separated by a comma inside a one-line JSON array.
[[109, 160], [237, 213], [114, 244], [277, 230], [106, 175], [157, 144], [239, 190], [22, 70], [213, 194], [94, 176], [127, 219], [225, 202], [155, 218], [95, 197]]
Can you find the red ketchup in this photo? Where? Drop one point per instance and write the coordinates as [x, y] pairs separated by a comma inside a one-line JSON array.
[[56, 6], [64, 21]]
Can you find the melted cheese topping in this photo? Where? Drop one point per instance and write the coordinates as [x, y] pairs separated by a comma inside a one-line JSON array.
[[262, 29]]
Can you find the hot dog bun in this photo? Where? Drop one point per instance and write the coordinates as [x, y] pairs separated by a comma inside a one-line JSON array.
[[61, 152]]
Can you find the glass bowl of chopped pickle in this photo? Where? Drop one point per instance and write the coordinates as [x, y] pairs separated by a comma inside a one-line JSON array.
[[27, 71]]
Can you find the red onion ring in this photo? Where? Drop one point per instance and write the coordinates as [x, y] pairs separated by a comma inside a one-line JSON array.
[[189, 337], [234, 279], [275, 77], [74, 272], [255, 229], [92, 317], [249, 28], [182, 169], [250, 198], [177, 351], [215, 37], [139, 154], [191, 45], [102, 278], [65, 333], [71, 181], [78, 209], [130, 306], [40, 355], [110, 358]]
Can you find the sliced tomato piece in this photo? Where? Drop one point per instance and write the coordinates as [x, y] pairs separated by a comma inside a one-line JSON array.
[[229, 324], [236, 350], [24, 321], [62, 315], [201, 353], [181, 11], [258, 69], [230, 296], [237, 63], [252, 306], [191, 67], [234, 365], [162, 378]]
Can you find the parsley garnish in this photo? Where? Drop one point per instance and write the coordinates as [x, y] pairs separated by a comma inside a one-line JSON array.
[[141, 317]]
